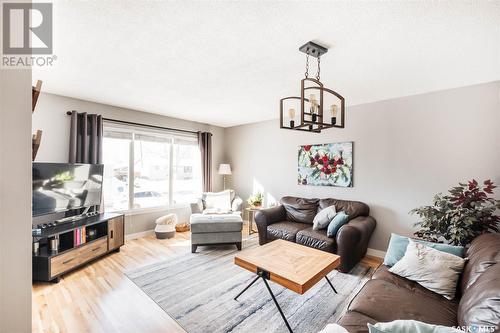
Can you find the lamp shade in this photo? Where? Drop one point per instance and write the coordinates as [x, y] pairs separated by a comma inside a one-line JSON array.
[[224, 169]]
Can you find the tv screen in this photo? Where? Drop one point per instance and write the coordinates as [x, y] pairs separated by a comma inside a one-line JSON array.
[[60, 187]]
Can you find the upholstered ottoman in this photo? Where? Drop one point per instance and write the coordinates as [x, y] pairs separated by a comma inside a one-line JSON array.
[[215, 230]]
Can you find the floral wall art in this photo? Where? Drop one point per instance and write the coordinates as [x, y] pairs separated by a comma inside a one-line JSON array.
[[328, 164]]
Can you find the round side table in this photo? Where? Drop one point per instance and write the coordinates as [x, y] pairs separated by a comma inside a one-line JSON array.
[[251, 218]]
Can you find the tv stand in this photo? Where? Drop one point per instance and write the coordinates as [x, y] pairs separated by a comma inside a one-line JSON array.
[[79, 242]]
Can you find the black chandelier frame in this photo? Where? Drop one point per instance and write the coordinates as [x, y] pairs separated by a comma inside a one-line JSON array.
[[316, 122]]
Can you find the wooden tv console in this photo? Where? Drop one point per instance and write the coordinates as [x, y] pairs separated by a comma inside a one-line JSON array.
[[105, 233]]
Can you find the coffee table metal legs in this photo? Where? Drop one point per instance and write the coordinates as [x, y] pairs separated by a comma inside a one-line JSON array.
[[278, 306], [265, 276], [253, 281], [331, 285]]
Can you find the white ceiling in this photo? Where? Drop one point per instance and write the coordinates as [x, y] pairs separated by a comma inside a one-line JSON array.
[[228, 63]]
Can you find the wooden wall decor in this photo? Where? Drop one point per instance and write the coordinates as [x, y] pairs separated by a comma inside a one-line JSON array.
[[36, 140], [37, 137], [35, 92]]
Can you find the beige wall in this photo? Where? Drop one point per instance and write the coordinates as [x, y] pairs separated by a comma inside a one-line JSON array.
[[15, 201], [51, 117], [405, 151]]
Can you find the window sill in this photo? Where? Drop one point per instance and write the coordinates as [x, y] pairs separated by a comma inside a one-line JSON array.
[[140, 211]]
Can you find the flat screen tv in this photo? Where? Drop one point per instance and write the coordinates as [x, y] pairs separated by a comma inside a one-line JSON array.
[[59, 187]]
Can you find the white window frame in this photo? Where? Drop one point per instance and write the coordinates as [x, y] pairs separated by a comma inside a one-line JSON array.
[[172, 136]]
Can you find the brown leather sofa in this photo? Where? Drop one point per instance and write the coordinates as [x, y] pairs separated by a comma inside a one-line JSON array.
[[387, 297], [292, 221]]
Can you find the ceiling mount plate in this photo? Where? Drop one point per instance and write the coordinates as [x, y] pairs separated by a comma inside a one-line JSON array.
[[313, 49]]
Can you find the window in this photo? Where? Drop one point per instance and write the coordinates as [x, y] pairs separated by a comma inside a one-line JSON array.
[[187, 171], [149, 168], [151, 171], [116, 159]]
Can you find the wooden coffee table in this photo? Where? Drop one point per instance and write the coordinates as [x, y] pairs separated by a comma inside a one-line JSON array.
[[296, 267]]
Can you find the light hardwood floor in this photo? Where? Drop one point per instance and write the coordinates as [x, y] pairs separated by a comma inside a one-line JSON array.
[[100, 298]]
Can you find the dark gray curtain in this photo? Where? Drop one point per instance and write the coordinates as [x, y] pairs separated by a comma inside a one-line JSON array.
[[85, 138], [205, 143]]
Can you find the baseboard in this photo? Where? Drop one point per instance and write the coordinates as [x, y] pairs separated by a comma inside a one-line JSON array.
[[375, 253], [139, 234]]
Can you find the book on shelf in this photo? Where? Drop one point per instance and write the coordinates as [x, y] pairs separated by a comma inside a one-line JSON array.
[[79, 236]]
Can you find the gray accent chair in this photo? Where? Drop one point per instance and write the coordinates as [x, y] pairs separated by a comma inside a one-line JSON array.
[[199, 206], [216, 229]]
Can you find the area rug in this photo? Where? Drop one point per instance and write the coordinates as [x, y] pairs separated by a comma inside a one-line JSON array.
[[198, 289]]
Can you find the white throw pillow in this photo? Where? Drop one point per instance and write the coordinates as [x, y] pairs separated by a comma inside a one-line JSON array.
[[218, 200], [236, 204], [333, 328], [323, 218], [433, 269], [410, 326]]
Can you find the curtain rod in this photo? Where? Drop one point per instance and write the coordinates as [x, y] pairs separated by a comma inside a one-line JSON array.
[[145, 125]]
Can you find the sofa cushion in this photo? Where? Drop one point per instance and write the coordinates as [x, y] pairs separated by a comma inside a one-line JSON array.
[[300, 209], [382, 273], [232, 195], [384, 301], [483, 253], [218, 200], [351, 208], [480, 304], [355, 322], [316, 239], [285, 230], [433, 269]]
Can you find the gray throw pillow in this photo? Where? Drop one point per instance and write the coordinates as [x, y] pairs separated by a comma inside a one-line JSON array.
[[433, 269], [323, 218]]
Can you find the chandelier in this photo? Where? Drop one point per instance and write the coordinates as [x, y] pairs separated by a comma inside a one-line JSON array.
[[319, 106]]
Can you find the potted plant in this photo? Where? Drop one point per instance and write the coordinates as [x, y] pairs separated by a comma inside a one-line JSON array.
[[458, 217], [256, 200]]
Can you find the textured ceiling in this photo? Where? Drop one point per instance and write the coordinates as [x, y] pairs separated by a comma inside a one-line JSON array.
[[229, 63]]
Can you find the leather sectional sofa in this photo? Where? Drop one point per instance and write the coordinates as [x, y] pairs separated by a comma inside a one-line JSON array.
[[387, 297], [292, 221]]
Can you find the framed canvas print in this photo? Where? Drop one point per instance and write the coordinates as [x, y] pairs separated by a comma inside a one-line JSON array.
[[328, 164]]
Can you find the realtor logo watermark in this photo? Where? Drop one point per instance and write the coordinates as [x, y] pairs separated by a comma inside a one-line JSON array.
[[27, 32], [477, 328]]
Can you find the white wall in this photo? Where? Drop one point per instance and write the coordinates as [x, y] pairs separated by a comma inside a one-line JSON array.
[[405, 151], [15, 201], [50, 116]]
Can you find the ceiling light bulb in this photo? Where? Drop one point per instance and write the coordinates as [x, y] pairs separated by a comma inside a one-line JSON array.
[[333, 110], [291, 113]]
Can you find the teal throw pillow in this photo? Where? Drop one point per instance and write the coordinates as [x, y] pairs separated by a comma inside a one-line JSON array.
[[409, 326], [398, 244], [338, 221]]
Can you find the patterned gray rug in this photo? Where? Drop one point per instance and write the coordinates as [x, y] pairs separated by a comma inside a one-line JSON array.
[[198, 289]]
